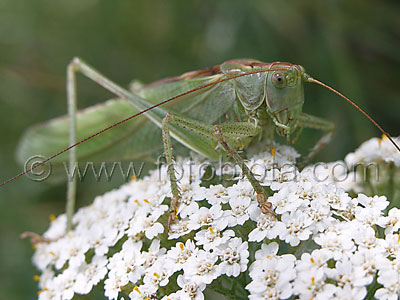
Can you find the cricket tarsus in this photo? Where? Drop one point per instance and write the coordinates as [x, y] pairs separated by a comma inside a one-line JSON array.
[[268, 97]]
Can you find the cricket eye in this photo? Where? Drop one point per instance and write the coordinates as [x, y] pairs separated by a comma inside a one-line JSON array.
[[279, 80]]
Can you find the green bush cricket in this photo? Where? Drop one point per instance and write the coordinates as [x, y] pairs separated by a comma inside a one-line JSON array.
[[215, 111]]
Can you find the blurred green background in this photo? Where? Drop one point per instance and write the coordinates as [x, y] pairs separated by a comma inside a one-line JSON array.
[[352, 45]]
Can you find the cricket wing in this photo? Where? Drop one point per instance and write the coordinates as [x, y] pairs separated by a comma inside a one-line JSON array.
[[50, 137], [137, 139]]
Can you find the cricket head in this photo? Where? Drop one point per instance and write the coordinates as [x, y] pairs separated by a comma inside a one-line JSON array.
[[284, 96]]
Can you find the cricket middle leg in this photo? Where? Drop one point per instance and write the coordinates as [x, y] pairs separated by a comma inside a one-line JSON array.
[[224, 134]]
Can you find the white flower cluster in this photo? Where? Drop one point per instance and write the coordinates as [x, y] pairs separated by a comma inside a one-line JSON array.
[[373, 168], [321, 244], [376, 150]]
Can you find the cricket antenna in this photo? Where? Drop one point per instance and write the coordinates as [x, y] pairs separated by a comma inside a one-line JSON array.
[[310, 79]]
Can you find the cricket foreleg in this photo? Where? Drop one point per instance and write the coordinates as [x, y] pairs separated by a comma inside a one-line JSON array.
[[298, 133], [309, 121], [229, 130]]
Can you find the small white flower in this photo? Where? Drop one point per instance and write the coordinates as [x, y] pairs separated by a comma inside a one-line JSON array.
[[234, 257], [178, 256], [349, 292], [100, 239], [240, 207], [317, 259], [153, 252], [65, 283], [128, 262], [337, 244], [157, 275], [190, 289], [267, 226], [338, 199], [211, 237], [143, 292], [57, 228], [391, 223], [215, 194], [367, 215], [213, 216], [147, 223], [297, 228], [389, 277], [350, 279], [173, 296], [312, 285], [286, 173], [51, 293], [46, 255], [287, 198], [392, 245], [202, 268], [73, 250], [242, 189], [377, 202], [267, 251], [187, 204], [366, 262], [320, 214], [271, 274], [366, 238], [179, 228], [90, 274]]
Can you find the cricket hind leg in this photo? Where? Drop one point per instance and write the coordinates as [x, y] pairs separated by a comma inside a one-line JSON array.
[[309, 121], [78, 66], [75, 66], [72, 110]]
